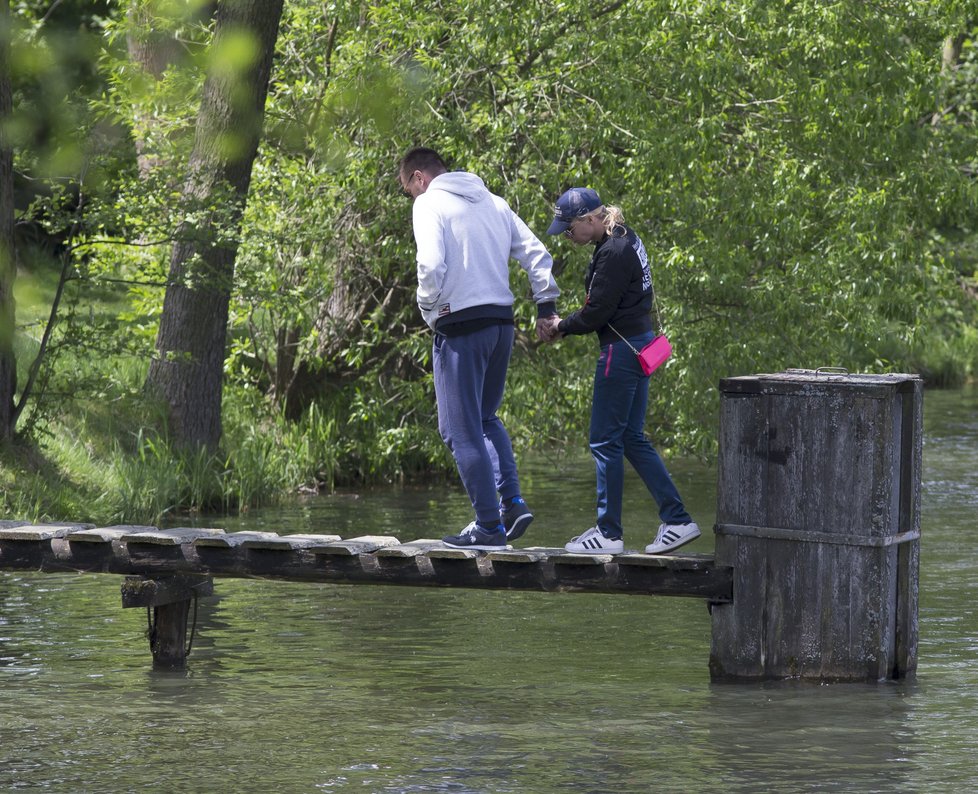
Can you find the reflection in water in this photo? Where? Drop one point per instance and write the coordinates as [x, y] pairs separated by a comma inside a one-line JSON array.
[[307, 687], [838, 738]]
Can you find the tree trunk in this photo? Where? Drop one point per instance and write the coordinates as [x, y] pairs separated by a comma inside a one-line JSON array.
[[952, 51], [153, 51], [8, 268], [188, 371], [950, 59]]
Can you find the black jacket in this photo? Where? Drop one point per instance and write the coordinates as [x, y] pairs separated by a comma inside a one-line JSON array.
[[619, 290]]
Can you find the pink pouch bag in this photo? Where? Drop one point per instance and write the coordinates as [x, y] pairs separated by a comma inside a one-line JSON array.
[[654, 354], [651, 356]]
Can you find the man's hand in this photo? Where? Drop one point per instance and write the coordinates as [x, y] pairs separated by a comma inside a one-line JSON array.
[[547, 329]]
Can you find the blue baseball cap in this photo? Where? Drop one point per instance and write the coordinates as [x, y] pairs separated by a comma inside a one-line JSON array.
[[573, 204]]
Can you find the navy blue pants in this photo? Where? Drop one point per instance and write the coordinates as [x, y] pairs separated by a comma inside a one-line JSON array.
[[621, 396], [470, 377]]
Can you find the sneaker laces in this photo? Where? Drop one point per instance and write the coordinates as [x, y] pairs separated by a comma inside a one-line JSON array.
[[587, 533]]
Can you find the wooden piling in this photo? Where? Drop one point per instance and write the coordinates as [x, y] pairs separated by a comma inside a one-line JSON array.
[[818, 515], [169, 599]]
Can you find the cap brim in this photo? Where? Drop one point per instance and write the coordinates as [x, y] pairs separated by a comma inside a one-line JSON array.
[[558, 227]]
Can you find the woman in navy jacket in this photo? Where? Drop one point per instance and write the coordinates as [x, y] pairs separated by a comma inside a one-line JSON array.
[[618, 285]]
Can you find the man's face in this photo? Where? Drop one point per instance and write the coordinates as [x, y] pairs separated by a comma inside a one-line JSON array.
[[413, 183]]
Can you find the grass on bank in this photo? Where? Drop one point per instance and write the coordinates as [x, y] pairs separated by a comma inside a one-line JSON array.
[[93, 447]]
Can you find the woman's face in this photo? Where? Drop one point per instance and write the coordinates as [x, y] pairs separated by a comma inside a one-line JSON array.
[[588, 229]]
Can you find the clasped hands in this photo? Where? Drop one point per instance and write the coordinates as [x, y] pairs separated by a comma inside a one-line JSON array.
[[547, 328]]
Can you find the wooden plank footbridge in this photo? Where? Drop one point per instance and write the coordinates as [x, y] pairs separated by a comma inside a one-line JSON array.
[[814, 576]]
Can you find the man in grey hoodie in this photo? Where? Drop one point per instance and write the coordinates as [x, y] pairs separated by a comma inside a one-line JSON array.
[[465, 237]]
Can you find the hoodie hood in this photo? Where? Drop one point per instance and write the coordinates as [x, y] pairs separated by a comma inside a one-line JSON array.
[[462, 184]]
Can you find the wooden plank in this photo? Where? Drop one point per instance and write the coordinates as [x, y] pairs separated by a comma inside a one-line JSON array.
[[582, 559], [40, 532], [454, 553], [268, 540], [231, 540], [412, 548], [171, 537], [687, 562], [355, 546], [107, 534], [523, 556]]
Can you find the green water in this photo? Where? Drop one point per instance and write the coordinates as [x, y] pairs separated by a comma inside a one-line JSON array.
[[307, 688]]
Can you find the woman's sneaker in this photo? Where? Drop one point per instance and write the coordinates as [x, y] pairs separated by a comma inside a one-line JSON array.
[[672, 536], [593, 542], [478, 538], [516, 518]]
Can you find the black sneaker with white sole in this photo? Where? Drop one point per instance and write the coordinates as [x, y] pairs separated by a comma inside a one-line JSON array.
[[516, 518], [478, 538]]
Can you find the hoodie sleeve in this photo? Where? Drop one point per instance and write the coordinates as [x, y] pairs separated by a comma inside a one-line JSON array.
[[534, 258], [431, 257]]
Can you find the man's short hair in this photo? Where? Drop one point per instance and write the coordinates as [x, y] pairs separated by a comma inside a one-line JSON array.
[[422, 159]]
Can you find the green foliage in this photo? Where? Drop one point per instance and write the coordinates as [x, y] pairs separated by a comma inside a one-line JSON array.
[[802, 174], [780, 166]]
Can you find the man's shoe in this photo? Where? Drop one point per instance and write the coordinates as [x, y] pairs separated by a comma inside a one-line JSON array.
[[593, 542], [516, 519], [672, 536], [478, 538]]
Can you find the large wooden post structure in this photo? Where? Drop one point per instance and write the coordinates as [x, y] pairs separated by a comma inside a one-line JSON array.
[[818, 514]]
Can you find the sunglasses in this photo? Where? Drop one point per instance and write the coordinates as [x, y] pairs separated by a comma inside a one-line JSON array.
[[569, 231], [404, 190]]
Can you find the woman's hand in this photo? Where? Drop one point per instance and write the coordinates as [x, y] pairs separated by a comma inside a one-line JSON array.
[[547, 329]]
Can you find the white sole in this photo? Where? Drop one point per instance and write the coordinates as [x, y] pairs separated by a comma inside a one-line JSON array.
[[594, 551], [675, 546], [476, 547], [519, 527]]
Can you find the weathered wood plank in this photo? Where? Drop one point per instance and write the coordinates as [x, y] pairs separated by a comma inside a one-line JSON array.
[[35, 532], [355, 546], [410, 549], [267, 540], [171, 537], [582, 559], [106, 534], [688, 562], [231, 540], [523, 556]]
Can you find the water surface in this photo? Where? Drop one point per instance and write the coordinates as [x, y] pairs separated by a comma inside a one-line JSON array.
[[305, 687]]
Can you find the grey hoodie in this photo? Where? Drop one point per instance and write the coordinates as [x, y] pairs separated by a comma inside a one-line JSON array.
[[465, 237]]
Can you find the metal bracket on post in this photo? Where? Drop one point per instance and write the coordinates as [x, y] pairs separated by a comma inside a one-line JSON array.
[[169, 598]]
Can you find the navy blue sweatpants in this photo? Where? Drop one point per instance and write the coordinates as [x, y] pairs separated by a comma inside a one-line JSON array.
[[470, 377]]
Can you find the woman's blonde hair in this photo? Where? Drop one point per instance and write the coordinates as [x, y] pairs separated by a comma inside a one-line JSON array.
[[611, 218]]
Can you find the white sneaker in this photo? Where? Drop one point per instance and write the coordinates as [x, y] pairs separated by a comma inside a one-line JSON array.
[[672, 536], [593, 542]]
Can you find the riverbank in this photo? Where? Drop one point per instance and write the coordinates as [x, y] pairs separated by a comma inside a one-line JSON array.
[[108, 465]]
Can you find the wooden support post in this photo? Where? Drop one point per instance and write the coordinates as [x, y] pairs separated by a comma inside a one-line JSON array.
[[170, 599], [818, 514]]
